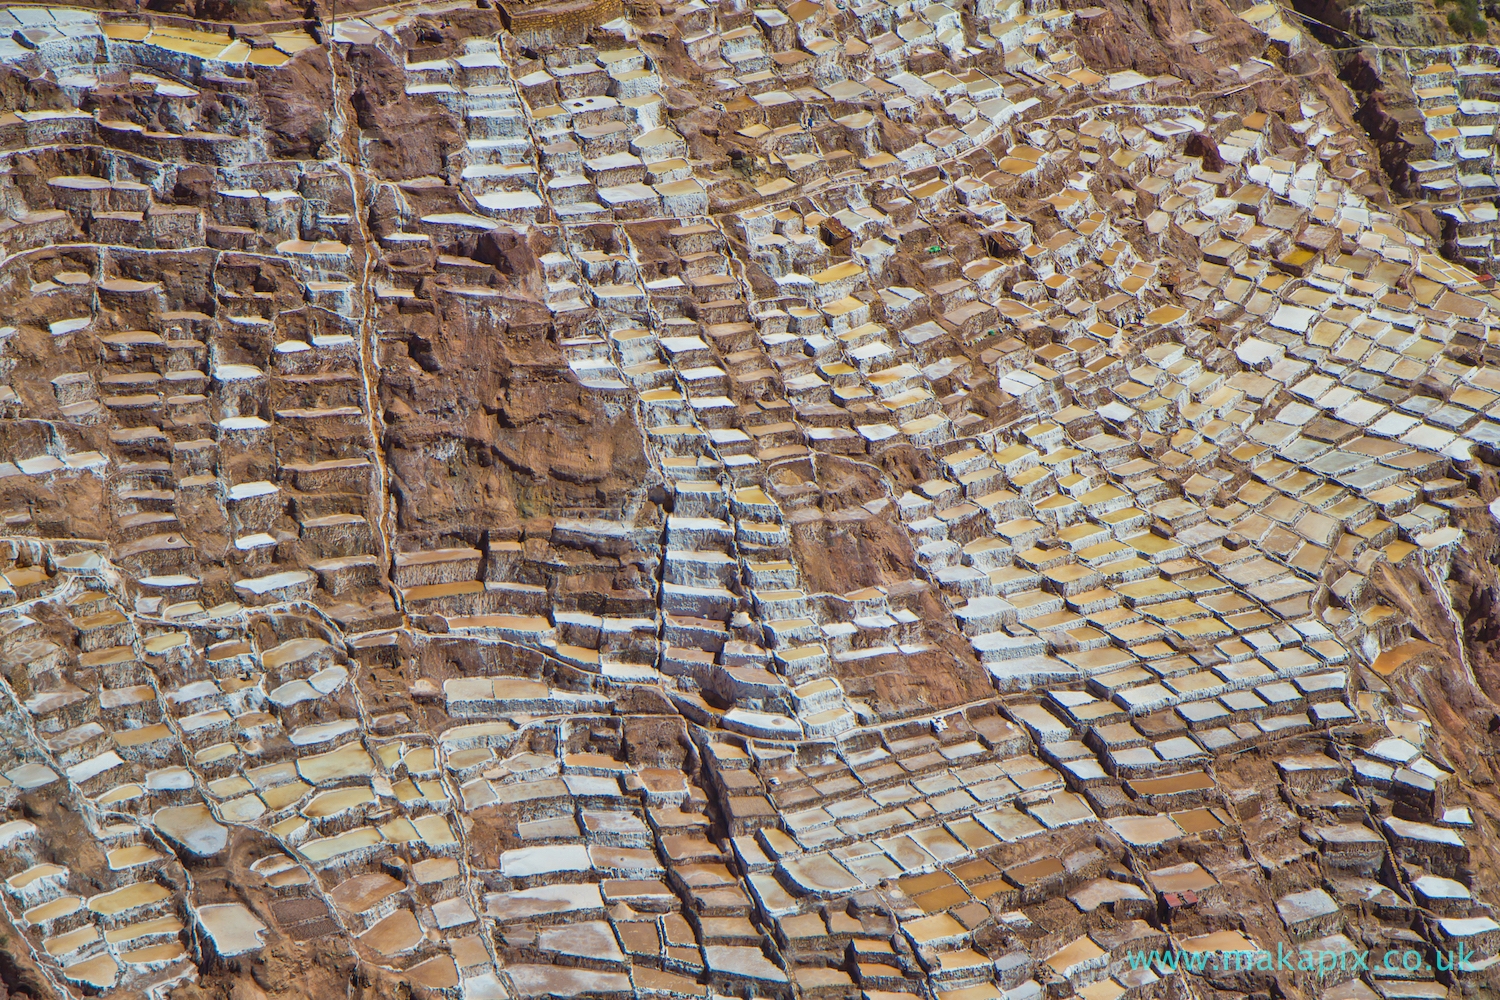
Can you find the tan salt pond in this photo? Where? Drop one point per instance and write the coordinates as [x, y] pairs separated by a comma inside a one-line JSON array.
[[99, 971], [365, 891], [233, 928], [128, 857], [143, 928], [63, 944], [331, 847], [193, 827], [128, 898], [339, 800], [347, 761], [397, 933], [51, 910], [171, 951], [23, 879], [437, 973]]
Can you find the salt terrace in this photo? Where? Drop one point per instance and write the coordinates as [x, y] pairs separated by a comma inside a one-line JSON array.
[[1199, 432]]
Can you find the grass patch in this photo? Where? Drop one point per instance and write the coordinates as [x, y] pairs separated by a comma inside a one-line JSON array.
[[1465, 19]]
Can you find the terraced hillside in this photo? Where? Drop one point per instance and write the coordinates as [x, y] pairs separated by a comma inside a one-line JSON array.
[[821, 500]]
